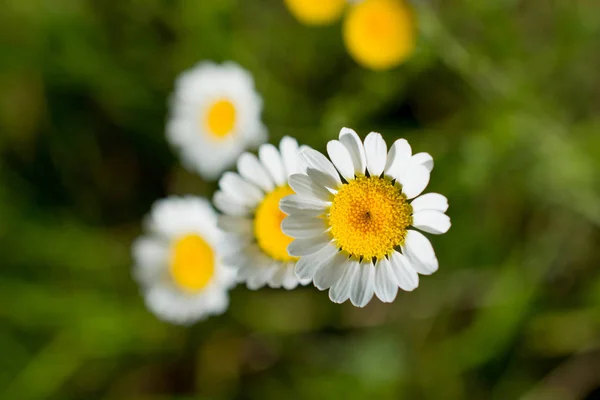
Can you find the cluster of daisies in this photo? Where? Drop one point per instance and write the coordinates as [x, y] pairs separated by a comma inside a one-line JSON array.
[[378, 34], [349, 221]]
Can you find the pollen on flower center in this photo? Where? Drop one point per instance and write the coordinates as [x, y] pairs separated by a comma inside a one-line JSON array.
[[192, 263], [369, 217], [267, 225], [220, 118]]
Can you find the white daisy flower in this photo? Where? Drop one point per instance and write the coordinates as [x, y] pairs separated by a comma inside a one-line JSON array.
[[177, 262], [351, 217], [251, 216], [215, 115]]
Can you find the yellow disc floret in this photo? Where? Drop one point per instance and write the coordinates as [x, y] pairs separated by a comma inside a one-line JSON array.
[[220, 119], [192, 263], [267, 225], [380, 34], [316, 12], [369, 217]]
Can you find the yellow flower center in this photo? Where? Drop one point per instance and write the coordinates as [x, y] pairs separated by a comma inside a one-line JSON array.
[[267, 225], [369, 217], [192, 263], [380, 34], [316, 12], [220, 118]]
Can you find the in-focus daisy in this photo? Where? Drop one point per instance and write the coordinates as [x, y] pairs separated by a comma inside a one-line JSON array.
[[215, 115], [350, 218], [379, 34], [251, 216], [316, 12], [178, 264]]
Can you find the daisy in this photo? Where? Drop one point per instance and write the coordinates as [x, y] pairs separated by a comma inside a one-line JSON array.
[[177, 262], [379, 34], [350, 218], [251, 216], [316, 12], [214, 117]]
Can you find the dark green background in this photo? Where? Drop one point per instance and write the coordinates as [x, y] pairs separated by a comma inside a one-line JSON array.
[[504, 94]]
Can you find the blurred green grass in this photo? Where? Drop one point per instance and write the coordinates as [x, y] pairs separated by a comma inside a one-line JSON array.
[[503, 94]]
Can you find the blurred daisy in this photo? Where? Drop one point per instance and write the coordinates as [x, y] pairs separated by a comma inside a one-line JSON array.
[[249, 201], [379, 34], [351, 217], [177, 262], [316, 12], [215, 116]]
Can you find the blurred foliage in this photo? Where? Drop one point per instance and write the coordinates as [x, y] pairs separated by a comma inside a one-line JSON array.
[[504, 94]]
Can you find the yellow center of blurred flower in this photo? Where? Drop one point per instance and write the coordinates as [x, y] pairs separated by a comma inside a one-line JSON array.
[[220, 118], [380, 34], [192, 263], [369, 217], [267, 225], [316, 12]]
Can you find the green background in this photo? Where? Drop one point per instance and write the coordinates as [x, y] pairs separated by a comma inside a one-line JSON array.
[[504, 94]]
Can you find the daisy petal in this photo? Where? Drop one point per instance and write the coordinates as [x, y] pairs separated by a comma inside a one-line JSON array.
[[340, 156], [364, 284], [290, 155], [376, 152], [420, 253], [270, 158], [290, 280], [386, 287], [350, 139], [304, 247], [227, 205], [305, 186], [240, 189], [307, 266], [330, 273], [431, 221], [406, 277], [340, 292], [317, 161], [234, 224], [424, 159], [414, 180], [295, 203], [303, 228], [430, 201], [252, 170], [398, 158], [277, 279]]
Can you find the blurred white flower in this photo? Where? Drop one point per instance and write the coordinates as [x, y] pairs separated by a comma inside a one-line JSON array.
[[351, 217], [215, 115], [178, 264]]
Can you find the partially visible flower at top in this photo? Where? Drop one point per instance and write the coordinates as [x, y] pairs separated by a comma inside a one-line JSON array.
[[178, 262], [351, 216], [380, 34], [249, 200], [316, 12], [215, 115]]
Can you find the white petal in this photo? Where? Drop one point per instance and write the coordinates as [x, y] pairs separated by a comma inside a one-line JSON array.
[[304, 247], [303, 228], [329, 274], [321, 179], [386, 287], [405, 274], [290, 155], [239, 189], [277, 278], [295, 203], [430, 201], [270, 158], [305, 186], [233, 224], [350, 139], [290, 281], [340, 292], [253, 171], [319, 163], [307, 266], [398, 158], [340, 156], [431, 221], [414, 180], [420, 253], [150, 256], [260, 275], [364, 284], [376, 152], [424, 159], [228, 205]]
